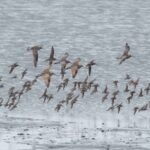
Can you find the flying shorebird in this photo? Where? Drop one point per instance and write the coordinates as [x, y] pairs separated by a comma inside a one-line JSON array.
[[51, 57], [125, 54], [74, 67], [89, 66], [111, 108], [13, 66], [126, 88], [95, 88], [126, 51], [44, 95], [135, 109], [46, 75], [105, 97], [147, 89], [143, 108], [35, 50], [74, 100], [141, 93], [113, 100], [57, 108], [23, 73], [127, 77], [124, 58], [119, 107], [105, 90], [134, 82], [115, 83]]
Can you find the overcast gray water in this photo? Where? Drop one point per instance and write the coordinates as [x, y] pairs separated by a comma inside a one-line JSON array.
[[89, 29]]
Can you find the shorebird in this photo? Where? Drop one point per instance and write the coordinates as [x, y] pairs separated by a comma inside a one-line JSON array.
[[74, 100], [14, 106], [59, 87], [44, 95], [57, 108], [13, 66], [115, 93], [111, 108], [23, 73], [46, 75], [90, 83], [63, 58], [35, 50], [20, 93], [105, 90], [126, 88], [51, 57], [147, 89], [69, 97], [75, 83], [141, 93], [65, 82], [115, 83], [129, 99], [125, 58], [75, 66], [113, 100], [119, 107], [127, 77], [89, 66], [84, 86], [134, 82], [143, 108], [105, 97], [50, 97], [126, 51], [135, 109], [95, 88]]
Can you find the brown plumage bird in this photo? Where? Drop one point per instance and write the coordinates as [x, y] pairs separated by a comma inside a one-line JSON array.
[[46, 75], [13, 66], [35, 50], [89, 66], [74, 67]]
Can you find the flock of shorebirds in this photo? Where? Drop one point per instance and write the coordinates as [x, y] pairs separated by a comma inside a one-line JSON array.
[[81, 87]]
